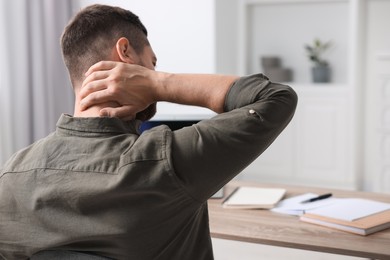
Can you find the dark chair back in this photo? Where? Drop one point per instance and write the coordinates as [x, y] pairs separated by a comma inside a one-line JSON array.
[[66, 255]]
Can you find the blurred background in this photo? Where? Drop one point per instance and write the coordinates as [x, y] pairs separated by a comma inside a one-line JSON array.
[[334, 53], [340, 136]]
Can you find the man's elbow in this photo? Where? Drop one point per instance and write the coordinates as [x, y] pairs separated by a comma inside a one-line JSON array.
[[293, 98], [288, 101]]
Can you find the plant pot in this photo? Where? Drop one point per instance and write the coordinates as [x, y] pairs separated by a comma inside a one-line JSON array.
[[269, 62], [321, 74]]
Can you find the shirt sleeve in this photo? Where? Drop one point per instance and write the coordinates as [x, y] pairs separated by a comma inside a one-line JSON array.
[[209, 154]]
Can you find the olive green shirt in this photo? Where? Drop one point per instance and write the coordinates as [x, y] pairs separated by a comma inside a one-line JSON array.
[[96, 185]]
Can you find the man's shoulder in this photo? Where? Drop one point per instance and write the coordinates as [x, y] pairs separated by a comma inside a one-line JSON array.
[[25, 155], [151, 144]]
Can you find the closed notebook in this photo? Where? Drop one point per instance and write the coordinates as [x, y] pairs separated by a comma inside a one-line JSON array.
[[370, 216], [253, 198]]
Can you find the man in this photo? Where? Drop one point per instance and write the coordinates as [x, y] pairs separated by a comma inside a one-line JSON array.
[[97, 186]]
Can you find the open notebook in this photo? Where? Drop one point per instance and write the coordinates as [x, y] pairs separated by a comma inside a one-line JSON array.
[[253, 198]]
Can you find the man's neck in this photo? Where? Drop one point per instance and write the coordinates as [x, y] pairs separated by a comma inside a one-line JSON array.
[[93, 111]]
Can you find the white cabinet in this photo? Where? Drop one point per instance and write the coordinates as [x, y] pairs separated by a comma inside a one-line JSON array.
[[315, 148], [382, 175], [378, 128], [377, 96], [321, 146]]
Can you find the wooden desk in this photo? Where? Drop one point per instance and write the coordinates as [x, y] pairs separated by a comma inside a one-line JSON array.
[[270, 228]]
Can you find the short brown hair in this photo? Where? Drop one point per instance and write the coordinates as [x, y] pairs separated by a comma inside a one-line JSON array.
[[90, 35]]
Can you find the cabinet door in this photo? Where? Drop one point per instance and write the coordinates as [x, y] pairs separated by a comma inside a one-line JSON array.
[[322, 146], [315, 148], [278, 162], [377, 97]]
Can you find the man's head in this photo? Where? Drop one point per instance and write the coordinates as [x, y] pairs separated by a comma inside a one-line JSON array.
[[93, 32], [101, 32]]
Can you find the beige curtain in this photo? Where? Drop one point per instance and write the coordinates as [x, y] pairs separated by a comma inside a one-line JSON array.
[[34, 85]]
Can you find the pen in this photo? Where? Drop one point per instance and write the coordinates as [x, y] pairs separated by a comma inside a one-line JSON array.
[[321, 197]]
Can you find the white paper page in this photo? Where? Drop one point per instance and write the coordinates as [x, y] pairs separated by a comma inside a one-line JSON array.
[[293, 205], [256, 196], [351, 209]]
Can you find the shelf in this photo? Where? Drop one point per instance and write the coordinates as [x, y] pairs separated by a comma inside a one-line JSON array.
[[329, 87], [280, 28]]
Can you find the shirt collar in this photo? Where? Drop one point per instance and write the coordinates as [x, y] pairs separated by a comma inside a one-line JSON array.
[[96, 125]]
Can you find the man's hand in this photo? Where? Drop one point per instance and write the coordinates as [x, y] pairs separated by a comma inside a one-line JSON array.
[[136, 88], [131, 86]]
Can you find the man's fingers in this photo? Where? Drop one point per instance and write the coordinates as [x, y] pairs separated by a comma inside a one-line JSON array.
[[94, 98], [123, 112], [96, 81], [101, 65], [93, 86], [96, 75]]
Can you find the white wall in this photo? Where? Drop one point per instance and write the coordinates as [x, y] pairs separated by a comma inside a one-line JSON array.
[[181, 32], [226, 30]]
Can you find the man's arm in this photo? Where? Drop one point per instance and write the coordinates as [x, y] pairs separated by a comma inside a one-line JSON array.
[[136, 87], [207, 155]]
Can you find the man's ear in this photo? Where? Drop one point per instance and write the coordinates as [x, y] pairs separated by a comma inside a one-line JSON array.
[[125, 51]]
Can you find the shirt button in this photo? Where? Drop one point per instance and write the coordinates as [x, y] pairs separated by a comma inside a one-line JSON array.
[[251, 111]]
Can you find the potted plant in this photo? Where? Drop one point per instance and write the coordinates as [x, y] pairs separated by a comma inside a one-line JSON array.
[[320, 70]]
